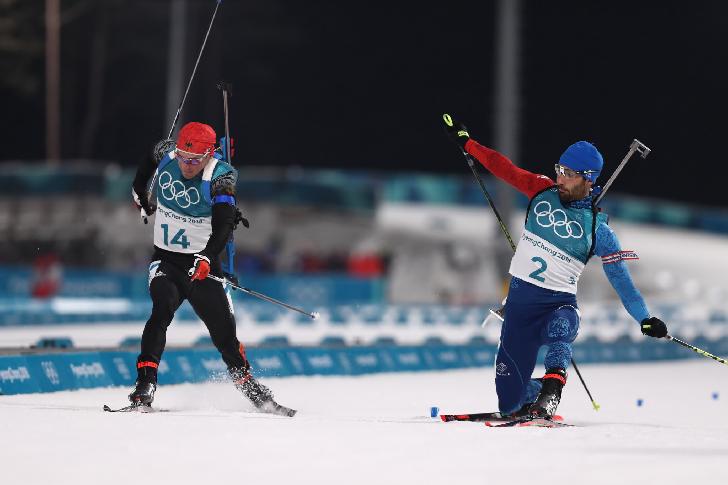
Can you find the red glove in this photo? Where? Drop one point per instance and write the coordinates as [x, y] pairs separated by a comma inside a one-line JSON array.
[[200, 268]]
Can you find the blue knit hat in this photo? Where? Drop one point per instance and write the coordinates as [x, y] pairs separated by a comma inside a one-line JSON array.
[[581, 156]]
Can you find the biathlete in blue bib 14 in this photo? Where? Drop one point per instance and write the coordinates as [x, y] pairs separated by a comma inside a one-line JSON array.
[[562, 231], [195, 216]]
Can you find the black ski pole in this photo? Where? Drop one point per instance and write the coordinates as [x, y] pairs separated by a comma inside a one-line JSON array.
[[500, 312], [471, 164], [164, 146], [635, 146], [226, 89], [696, 349], [194, 70], [594, 403], [314, 315]]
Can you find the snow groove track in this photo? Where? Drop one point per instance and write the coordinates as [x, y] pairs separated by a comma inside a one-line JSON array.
[[376, 429]]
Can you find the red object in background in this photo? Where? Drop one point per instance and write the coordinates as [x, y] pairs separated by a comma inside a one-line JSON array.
[[312, 263], [47, 274], [232, 148], [365, 265]]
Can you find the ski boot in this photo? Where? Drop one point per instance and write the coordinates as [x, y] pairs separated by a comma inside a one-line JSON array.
[[550, 395], [533, 388], [252, 389], [259, 395], [143, 393], [146, 383]]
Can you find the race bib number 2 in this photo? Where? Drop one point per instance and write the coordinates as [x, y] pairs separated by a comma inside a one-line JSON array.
[[542, 267], [544, 264]]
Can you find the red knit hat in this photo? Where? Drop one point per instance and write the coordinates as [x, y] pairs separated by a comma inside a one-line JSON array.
[[196, 138]]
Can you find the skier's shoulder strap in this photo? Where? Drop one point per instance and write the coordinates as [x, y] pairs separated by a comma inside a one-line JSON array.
[[166, 159], [544, 190], [207, 177], [599, 218]]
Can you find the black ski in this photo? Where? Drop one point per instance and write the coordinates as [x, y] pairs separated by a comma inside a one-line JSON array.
[[138, 407], [529, 421], [476, 417], [272, 407], [483, 417]]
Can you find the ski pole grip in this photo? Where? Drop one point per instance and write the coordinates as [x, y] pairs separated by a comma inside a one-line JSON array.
[[640, 147]]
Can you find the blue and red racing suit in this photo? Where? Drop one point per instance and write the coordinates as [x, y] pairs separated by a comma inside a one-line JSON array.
[[541, 309]]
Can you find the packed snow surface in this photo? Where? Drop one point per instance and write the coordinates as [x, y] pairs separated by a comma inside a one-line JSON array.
[[377, 430]]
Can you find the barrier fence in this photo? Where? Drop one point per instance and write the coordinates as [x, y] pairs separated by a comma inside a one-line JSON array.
[[32, 371]]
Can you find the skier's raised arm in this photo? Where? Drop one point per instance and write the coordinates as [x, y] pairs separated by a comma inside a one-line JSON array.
[[528, 183]]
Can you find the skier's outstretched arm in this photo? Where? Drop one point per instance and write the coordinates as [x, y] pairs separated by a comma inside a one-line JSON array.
[[614, 263], [526, 182]]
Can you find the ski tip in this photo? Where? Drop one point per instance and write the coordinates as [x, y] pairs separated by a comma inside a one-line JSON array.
[[546, 423], [272, 407], [456, 417], [142, 408]]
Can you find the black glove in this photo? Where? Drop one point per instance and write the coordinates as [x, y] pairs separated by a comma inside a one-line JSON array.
[[162, 148], [239, 218], [653, 327], [142, 203], [457, 131]]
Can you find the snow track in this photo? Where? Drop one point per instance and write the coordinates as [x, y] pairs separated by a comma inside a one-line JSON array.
[[376, 430]]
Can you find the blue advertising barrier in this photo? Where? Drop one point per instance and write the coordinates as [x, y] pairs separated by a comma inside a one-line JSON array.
[[367, 360], [409, 359], [271, 362], [62, 369], [53, 372], [120, 367], [320, 361], [16, 376]]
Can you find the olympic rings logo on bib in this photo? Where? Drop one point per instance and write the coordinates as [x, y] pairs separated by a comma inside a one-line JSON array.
[[563, 227], [176, 191]]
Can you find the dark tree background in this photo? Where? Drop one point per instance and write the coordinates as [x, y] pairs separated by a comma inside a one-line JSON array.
[[362, 85]]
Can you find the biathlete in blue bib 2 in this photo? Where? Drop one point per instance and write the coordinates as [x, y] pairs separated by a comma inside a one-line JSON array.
[[195, 216], [562, 231]]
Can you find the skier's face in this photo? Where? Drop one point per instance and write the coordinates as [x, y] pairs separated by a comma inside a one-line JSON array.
[[572, 188], [191, 167]]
